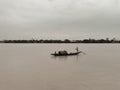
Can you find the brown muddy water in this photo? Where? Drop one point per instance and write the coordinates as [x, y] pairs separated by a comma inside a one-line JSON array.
[[31, 67]]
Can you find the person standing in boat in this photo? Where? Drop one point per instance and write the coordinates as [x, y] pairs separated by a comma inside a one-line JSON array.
[[55, 52], [77, 49]]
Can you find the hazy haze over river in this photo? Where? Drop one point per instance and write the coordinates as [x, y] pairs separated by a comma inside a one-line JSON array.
[[31, 67]]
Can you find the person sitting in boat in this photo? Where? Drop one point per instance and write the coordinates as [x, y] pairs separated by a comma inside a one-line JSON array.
[[59, 53], [65, 52], [62, 52]]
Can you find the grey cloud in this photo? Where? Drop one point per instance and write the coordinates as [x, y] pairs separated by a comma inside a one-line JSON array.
[[42, 16], [50, 0]]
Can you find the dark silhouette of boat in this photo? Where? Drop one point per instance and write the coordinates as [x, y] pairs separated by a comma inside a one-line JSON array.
[[65, 53], [68, 54]]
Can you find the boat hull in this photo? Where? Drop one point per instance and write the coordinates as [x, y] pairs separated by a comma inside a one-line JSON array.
[[69, 54]]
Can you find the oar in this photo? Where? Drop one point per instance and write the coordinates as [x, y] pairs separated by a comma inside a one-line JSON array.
[[83, 52]]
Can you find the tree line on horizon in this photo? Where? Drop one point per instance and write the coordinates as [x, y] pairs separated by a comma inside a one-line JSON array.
[[107, 40]]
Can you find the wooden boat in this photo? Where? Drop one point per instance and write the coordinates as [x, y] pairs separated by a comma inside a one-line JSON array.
[[65, 54]]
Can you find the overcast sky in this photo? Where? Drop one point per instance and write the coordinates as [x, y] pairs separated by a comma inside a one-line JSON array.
[[59, 19]]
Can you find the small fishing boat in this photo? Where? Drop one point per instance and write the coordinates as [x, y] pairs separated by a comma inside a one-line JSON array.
[[65, 53], [68, 54]]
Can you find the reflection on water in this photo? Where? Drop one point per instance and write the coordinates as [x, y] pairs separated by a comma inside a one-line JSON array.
[[76, 58], [60, 57], [31, 67]]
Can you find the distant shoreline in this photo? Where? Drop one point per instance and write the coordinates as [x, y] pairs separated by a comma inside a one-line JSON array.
[[99, 41]]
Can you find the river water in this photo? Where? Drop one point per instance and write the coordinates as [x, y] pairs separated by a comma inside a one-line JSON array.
[[31, 67]]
